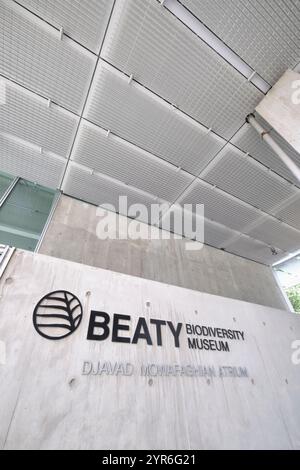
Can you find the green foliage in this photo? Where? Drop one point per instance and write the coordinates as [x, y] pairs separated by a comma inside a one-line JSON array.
[[293, 294]]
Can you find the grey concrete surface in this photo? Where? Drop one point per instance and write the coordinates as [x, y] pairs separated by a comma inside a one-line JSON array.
[[51, 400], [72, 236]]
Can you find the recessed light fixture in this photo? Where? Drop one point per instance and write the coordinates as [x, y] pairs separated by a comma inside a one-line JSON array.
[[194, 24]]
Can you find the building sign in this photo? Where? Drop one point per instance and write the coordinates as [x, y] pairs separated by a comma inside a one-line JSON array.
[[154, 330], [161, 370], [90, 355], [60, 312]]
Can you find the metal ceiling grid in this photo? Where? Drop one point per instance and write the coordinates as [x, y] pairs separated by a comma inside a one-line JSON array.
[[220, 207], [274, 233], [142, 118], [254, 250], [82, 183], [248, 140], [125, 162], [33, 55], [28, 117], [265, 33], [84, 21], [245, 178], [25, 160], [149, 42]]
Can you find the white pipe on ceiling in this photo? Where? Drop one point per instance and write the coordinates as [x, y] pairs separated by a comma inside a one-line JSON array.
[[202, 31], [266, 137]]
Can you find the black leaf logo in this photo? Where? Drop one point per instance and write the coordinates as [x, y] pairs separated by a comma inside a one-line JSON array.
[[57, 315]]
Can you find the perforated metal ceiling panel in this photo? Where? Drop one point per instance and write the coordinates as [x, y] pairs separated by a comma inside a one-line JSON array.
[[222, 237], [146, 40], [277, 234], [159, 111], [142, 118], [123, 161], [27, 116], [19, 158], [83, 20], [211, 233], [216, 234], [265, 33], [32, 54], [220, 207], [98, 189], [254, 250], [248, 180], [248, 140], [290, 213]]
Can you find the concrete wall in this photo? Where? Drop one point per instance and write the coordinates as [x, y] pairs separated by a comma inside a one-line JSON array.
[[49, 400], [72, 236]]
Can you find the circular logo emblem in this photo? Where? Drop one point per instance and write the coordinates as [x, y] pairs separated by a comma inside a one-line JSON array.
[[57, 315]]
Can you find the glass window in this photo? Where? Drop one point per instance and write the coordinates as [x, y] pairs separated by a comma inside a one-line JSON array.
[[24, 215]]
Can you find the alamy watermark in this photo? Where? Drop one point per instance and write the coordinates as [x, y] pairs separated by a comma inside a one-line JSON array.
[[296, 353], [152, 222]]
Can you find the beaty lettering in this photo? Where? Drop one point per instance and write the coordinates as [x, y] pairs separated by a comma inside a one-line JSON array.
[[122, 330]]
